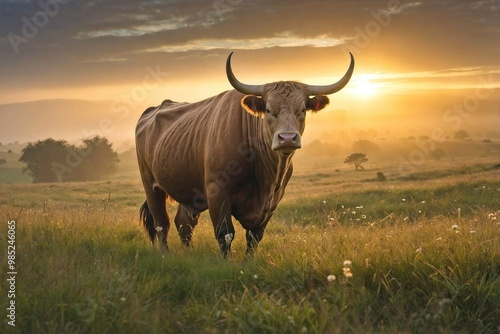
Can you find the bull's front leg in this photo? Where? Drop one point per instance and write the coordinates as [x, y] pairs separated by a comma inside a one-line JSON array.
[[219, 207], [253, 238]]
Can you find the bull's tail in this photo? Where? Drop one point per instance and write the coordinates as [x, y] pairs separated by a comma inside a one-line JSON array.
[[148, 221]]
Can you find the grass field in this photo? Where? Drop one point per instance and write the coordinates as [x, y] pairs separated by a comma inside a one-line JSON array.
[[343, 254]]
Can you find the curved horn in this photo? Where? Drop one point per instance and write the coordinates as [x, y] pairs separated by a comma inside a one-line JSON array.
[[330, 89], [239, 86]]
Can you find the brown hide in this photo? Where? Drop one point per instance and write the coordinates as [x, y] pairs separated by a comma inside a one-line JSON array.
[[183, 148]]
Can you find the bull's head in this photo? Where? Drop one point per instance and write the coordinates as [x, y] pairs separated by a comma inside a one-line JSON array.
[[283, 105]]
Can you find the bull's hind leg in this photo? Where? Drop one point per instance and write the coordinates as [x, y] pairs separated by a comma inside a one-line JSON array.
[[185, 221], [154, 215]]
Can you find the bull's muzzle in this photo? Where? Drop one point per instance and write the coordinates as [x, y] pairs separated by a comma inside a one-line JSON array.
[[286, 141]]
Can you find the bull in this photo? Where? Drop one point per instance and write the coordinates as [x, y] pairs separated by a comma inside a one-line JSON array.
[[231, 154]]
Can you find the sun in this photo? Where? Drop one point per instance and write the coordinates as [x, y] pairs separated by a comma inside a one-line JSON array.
[[365, 85]]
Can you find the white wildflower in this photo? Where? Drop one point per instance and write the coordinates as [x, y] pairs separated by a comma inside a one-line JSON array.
[[455, 227], [347, 263], [347, 272], [331, 278], [229, 238]]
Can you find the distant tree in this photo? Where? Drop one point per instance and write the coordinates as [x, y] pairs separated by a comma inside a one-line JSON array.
[[381, 177], [10, 151], [487, 140], [461, 135], [437, 154], [356, 159], [3, 161], [40, 157], [57, 161], [99, 160]]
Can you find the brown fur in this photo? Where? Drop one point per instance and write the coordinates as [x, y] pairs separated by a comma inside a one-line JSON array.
[[216, 155]]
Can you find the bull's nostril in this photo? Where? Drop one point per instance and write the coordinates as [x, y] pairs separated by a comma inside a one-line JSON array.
[[287, 137]]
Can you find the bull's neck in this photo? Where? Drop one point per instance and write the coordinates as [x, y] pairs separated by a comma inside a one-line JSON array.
[[270, 167], [283, 165]]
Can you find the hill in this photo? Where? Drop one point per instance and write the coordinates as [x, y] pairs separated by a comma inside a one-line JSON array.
[[389, 116], [70, 120]]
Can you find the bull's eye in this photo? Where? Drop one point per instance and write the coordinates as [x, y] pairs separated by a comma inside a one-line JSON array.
[[268, 112], [301, 113]]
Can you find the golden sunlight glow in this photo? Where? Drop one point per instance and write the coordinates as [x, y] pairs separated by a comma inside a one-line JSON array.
[[365, 85]]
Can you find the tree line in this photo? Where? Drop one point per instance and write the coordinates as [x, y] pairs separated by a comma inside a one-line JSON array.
[[53, 160]]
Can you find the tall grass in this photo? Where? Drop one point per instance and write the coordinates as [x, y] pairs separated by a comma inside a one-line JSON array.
[[390, 204], [84, 265]]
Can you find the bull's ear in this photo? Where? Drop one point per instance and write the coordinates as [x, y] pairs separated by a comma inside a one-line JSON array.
[[317, 103], [254, 105]]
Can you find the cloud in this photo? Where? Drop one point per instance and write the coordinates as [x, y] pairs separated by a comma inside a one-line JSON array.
[[285, 40], [109, 42], [455, 78], [138, 30]]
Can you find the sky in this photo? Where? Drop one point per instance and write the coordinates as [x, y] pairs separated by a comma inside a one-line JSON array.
[[138, 53]]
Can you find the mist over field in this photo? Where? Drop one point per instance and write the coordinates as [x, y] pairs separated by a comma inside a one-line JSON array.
[[385, 117]]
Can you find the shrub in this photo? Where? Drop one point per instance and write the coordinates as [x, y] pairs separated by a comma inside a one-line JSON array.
[[381, 177]]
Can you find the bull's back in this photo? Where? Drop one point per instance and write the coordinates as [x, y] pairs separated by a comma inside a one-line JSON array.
[[176, 141]]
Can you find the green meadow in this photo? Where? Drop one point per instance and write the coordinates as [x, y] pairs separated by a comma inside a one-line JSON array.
[[344, 253]]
